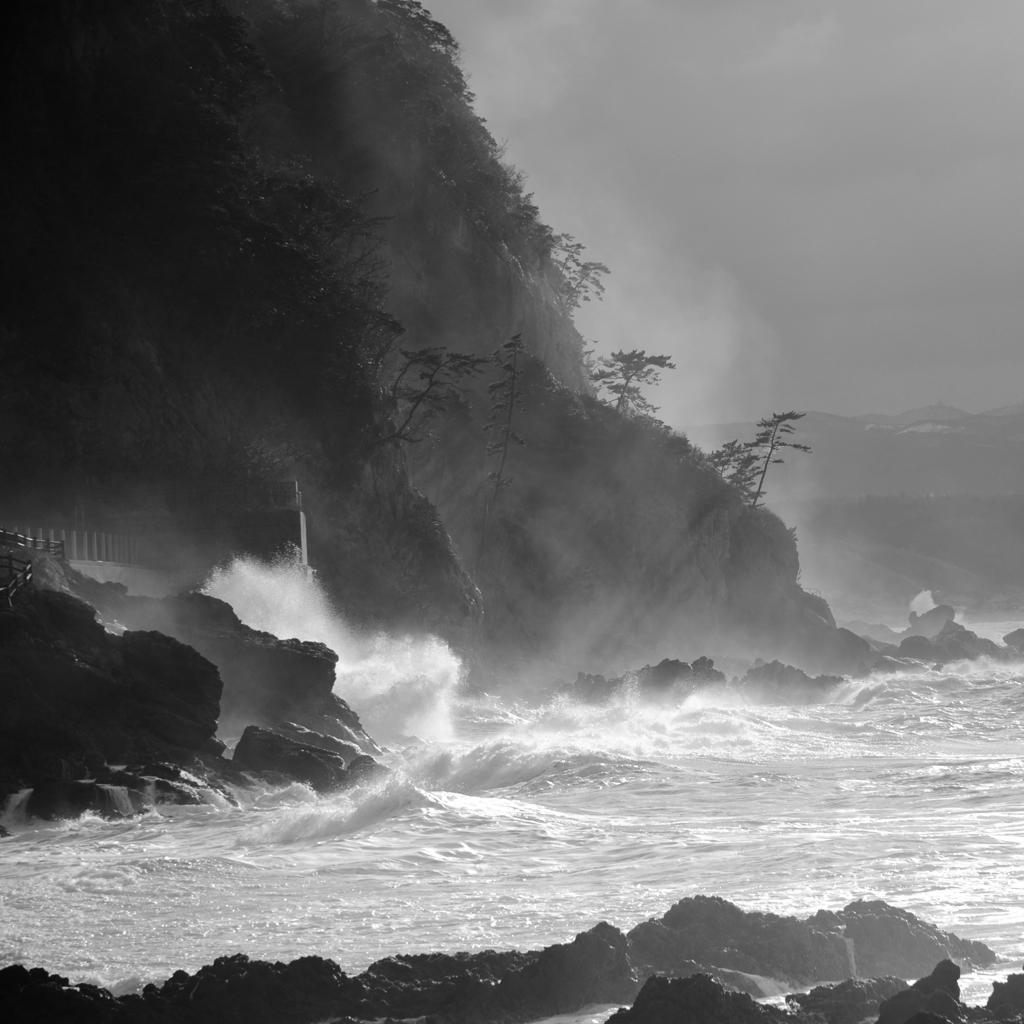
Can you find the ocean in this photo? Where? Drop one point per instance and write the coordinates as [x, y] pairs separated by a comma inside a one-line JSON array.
[[506, 825]]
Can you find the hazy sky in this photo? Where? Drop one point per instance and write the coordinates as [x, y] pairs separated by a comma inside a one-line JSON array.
[[810, 204]]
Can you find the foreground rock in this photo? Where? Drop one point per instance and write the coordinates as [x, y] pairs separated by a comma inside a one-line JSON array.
[[698, 999], [866, 939], [849, 1002], [509, 987], [74, 698], [269, 753], [599, 966], [937, 994], [267, 681]]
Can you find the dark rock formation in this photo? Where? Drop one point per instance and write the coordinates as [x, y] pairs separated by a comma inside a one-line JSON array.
[[1015, 640], [953, 642], [849, 1002], [267, 680], [713, 932], [261, 750], [890, 941], [74, 697], [698, 999], [866, 939], [465, 988], [937, 993], [776, 683], [931, 622], [1007, 997], [54, 798]]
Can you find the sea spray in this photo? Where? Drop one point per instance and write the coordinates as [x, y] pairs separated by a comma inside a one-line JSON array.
[[401, 687]]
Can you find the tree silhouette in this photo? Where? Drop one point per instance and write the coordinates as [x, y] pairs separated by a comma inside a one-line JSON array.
[[428, 380], [623, 375], [738, 464], [578, 280], [506, 397], [769, 441]]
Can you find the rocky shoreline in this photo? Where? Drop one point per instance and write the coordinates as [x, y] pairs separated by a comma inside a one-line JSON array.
[[111, 704], [703, 961]]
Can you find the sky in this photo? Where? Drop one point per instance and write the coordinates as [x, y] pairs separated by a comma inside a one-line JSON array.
[[807, 204]]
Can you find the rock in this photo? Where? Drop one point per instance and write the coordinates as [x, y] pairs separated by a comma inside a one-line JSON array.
[[937, 993], [54, 798], [444, 985], [865, 939], [267, 680], [1015, 640], [670, 673], [931, 622], [775, 683], [849, 1002], [261, 750], [74, 697], [299, 733], [888, 940], [952, 642], [694, 1000], [175, 691], [715, 933], [593, 968], [1007, 996]]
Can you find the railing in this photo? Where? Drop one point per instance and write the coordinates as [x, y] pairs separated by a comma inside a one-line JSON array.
[[26, 540], [79, 545], [18, 574]]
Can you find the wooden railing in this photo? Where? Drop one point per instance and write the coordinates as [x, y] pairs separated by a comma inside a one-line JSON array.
[[24, 540], [15, 573]]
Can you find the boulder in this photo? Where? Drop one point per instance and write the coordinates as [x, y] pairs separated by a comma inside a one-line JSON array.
[[74, 697], [593, 968], [937, 994], [931, 622], [267, 680], [714, 933], [1015, 640], [694, 1000], [262, 750], [849, 1002], [54, 799], [890, 941], [1007, 997], [776, 683], [869, 939]]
